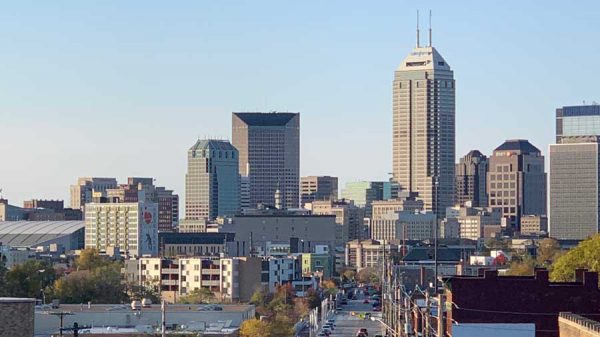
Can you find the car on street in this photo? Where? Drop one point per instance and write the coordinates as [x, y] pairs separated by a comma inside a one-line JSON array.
[[366, 301]]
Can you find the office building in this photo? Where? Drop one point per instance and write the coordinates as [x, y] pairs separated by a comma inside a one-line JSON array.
[[212, 181], [517, 181], [404, 225], [534, 225], [130, 227], [52, 212], [574, 190], [348, 217], [195, 244], [55, 205], [470, 179], [83, 191], [254, 233], [370, 254], [269, 154], [577, 121], [383, 209], [363, 193], [318, 188], [475, 223], [424, 127]]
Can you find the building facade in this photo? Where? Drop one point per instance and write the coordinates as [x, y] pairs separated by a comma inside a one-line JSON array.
[[574, 190], [269, 155], [363, 193], [83, 191], [517, 181], [381, 227], [130, 227], [314, 188], [348, 217], [404, 225], [424, 128], [212, 181], [369, 253], [577, 121], [471, 179]]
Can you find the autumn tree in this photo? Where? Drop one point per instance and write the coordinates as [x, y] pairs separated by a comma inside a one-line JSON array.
[[367, 275], [329, 287], [348, 274], [197, 296], [586, 255], [254, 328], [522, 266], [548, 250]]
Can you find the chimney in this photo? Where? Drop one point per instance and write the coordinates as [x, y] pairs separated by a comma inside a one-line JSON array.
[[590, 279]]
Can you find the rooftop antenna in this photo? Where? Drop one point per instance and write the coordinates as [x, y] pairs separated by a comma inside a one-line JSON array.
[[418, 44], [430, 28]]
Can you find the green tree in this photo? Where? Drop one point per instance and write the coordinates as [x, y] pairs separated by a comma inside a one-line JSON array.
[[254, 328], [198, 296], [90, 259], [99, 285], [329, 287], [522, 267], [348, 274], [585, 255], [29, 279]]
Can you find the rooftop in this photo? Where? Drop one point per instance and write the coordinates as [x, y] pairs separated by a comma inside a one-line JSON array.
[[266, 118], [30, 233], [424, 58], [522, 146], [212, 144]]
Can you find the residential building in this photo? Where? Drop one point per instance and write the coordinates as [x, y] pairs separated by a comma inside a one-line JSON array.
[[314, 188], [253, 233], [230, 279], [471, 179], [195, 244], [317, 264], [475, 299], [83, 191], [370, 253], [424, 128], [574, 188], [278, 271], [534, 225], [363, 193], [212, 181], [517, 181], [269, 154], [348, 217], [130, 227]]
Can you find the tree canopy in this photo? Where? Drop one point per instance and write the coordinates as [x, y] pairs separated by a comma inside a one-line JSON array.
[[585, 255]]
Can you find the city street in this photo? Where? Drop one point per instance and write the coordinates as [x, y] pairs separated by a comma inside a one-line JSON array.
[[347, 325]]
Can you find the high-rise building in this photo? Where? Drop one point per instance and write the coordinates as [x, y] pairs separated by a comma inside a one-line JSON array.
[[83, 191], [517, 181], [130, 227], [348, 217], [363, 193], [470, 179], [212, 181], [424, 127], [577, 121], [574, 190], [318, 188], [269, 154]]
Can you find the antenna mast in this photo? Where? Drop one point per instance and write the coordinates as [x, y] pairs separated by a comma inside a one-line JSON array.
[[430, 28], [418, 44]]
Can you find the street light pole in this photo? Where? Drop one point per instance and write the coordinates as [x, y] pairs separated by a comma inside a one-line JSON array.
[[386, 326]]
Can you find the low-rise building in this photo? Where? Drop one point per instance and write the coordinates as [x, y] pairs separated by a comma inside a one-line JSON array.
[[318, 188], [573, 325], [195, 244], [317, 264], [534, 224], [17, 317], [404, 225], [64, 235], [348, 217]]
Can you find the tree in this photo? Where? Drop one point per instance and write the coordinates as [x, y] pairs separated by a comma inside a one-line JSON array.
[[367, 275], [548, 250], [281, 326], [254, 328], [585, 255], [312, 298], [329, 287], [3, 272], [198, 296], [100, 285], [29, 279], [522, 267], [348, 274], [90, 259]]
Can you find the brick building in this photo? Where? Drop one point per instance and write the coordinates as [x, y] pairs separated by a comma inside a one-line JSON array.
[[520, 299]]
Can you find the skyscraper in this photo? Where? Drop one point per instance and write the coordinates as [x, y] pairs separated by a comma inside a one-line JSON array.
[[574, 173], [269, 149], [517, 181], [212, 182], [470, 180], [424, 128]]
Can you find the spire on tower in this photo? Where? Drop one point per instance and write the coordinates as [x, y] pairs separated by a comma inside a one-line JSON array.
[[430, 28], [418, 44]]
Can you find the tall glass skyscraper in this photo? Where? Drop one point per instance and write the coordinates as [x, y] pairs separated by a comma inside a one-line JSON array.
[[212, 182], [577, 121], [424, 128]]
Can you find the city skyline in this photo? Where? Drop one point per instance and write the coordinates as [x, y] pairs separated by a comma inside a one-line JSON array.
[[68, 85]]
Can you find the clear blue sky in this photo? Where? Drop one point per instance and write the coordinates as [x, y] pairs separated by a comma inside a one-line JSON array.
[[124, 88]]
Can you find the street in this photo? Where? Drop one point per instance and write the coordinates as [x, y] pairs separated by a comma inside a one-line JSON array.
[[347, 325]]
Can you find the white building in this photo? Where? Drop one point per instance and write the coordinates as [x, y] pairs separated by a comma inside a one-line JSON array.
[[131, 227]]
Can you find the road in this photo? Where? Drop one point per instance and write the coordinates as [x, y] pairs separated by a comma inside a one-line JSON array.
[[347, 325]]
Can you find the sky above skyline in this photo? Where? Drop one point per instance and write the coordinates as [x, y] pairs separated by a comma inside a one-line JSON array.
[[118, 89]]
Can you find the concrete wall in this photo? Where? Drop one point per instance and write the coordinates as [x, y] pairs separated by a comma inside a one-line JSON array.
[[16, 317]]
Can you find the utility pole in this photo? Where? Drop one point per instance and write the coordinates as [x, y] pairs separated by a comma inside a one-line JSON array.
[[440, 322], [163, 310], [427, 315]]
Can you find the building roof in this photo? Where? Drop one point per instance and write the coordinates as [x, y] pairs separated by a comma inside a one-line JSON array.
[[195, 238], [475, 154], [424, 58], [212, 144], [266, 118], [32, 233], [427, 253], [521, 145]]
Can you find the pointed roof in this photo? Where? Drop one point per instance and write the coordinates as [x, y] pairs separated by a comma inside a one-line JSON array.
[[522, 146], [424, 58], [212, 144]]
